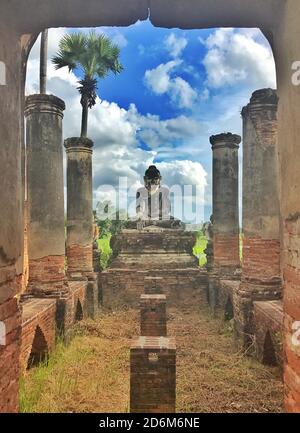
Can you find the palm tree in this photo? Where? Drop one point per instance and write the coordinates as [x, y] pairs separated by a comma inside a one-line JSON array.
[[43, 61], [96, 56]]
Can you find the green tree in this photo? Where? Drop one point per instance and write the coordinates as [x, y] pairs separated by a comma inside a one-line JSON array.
[[96, 56]]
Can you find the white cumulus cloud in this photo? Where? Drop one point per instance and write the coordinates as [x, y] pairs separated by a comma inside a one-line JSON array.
[[175, 45], [118, 133], [238, 57], [161, 81]]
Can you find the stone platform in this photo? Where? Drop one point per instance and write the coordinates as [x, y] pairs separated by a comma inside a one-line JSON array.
[[268, 319], [152, 252]]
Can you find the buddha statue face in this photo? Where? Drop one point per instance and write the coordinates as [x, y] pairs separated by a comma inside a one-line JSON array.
[[152, 178]]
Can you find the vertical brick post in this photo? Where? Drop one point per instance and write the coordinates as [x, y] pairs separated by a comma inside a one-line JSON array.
[[153, 375], [80, 221], [153, 315], [46, 233], [261, 276]]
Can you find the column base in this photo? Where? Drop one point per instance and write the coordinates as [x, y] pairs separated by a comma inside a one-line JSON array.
[[247, 293], [47, 277]]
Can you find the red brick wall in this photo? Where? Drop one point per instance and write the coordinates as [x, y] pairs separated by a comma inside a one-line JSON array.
[[9, 353], [153, 375], [37, 313], [261, 260], [80, 258], [268, 319], [126, 285], [291, 272], [226, 250], [46, 274], [153, 315]]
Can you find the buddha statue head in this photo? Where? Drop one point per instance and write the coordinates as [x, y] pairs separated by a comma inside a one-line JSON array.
[[152, 178]]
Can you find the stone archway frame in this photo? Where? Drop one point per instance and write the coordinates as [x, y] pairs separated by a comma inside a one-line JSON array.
[[277, 19]]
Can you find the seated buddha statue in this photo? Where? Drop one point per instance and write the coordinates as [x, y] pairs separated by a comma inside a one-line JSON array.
[[153, 207]]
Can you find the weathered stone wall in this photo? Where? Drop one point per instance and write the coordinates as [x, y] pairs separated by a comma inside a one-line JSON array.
[[11, 212], [9, 355], [125, 285]]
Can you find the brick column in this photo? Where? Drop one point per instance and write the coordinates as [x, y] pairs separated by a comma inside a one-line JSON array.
[[79, 206], [225, 216], [153, 315], [46, 233], [80, 220], [226, 201], [153, 375], [261, 276]]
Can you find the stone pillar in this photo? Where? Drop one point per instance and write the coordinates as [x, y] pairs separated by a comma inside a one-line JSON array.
[[79, 207], [46, 232], [261, 275], [80, 220], [153, 315], [153, 375], [226, 201]]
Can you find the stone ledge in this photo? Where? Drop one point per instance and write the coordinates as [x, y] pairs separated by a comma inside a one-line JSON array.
[[268, 328]]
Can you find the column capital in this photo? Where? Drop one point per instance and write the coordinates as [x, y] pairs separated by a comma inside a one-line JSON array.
[[225, 140], [41, 103], [78, 144], [262, 99]]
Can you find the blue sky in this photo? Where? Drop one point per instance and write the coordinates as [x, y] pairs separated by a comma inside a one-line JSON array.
[[177, 88]]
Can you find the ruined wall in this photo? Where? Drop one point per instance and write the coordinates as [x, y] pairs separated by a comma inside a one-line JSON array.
[[38, 313], [11, 233], [287, 51]]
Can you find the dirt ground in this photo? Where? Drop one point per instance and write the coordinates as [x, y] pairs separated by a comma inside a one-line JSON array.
[[91, 373]]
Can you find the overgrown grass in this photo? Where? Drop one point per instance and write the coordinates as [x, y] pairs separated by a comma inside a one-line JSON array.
[[105, 249], [91, 374], [199, 248]]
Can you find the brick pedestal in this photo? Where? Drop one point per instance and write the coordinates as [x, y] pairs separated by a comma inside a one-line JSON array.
[[140, 255], [153, 375], [153, 315]]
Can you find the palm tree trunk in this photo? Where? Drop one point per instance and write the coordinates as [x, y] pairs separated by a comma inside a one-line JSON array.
[[84, 119], [43, 61]]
